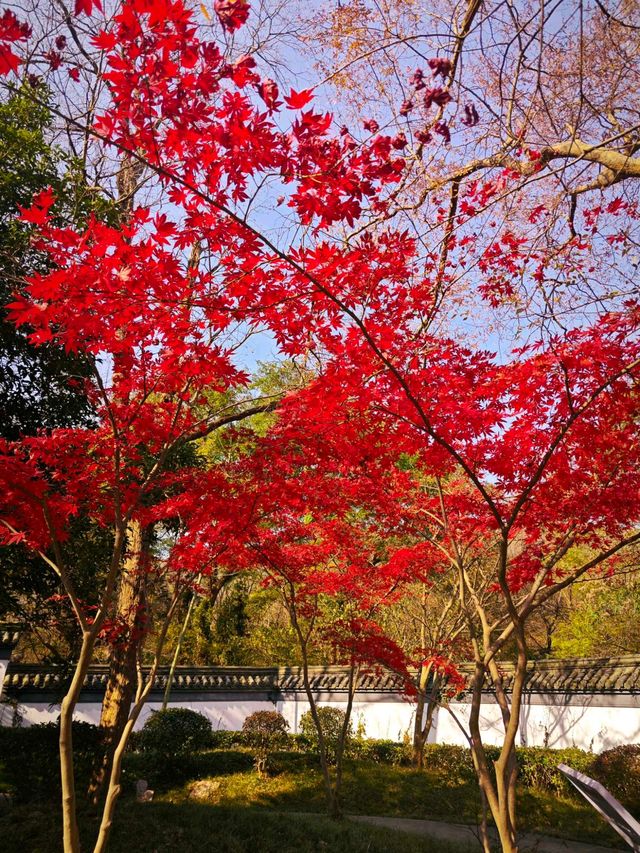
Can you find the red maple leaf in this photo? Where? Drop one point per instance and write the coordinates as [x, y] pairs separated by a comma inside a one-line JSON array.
[[297, 100], [8, 60], [232, 14], [86, 6], [11, 30], [38, 213]]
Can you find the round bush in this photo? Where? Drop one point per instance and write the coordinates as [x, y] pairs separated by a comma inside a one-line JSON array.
[[264, 726], [265, 731], [331, 723], [618, 770], [175, 731]]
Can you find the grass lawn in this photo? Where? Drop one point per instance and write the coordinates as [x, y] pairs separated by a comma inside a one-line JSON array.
[[240, 811], [380, 789], [164, 827]]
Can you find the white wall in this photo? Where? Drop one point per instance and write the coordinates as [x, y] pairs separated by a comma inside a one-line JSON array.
[[4, 663], [223, 715], [588, 727], [387, 720]]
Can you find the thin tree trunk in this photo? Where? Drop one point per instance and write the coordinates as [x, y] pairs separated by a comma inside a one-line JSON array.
[[507, 765], [71, 842], [176, 654], [313, 708], [71, 839], [483, 773], [144, 688], [423, 679], [322, 745], [499, 797], [353, 684], [422, 726], [119, 692], [418, 725]]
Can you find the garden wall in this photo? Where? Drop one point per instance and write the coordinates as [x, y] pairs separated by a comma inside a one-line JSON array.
[[590, 704]]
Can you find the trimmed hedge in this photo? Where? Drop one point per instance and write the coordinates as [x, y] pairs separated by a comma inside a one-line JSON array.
[[222, 739], [539, 767], [31, 759], [31, 764], [451, 761], [380, 751], [162, 774]]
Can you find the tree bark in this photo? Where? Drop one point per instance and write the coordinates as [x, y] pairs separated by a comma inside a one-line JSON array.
[[331, 789], [422, 726], [130, 612], [71, 839], [144, 687]]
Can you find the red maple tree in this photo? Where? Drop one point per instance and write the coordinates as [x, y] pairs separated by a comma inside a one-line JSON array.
[[512, 446]]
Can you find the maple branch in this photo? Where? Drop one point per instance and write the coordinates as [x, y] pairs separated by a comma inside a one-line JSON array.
[[116, 442], [74, 35], [62, 570], [576, 413], [617, 166], [47, 560], [460, 37], [58, 567], [208, 428], [569, 150], [444, 256], [612, 18], [590, 564], [168, 174], [530, 603]]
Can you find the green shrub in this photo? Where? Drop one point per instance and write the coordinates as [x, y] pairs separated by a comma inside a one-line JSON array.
[[331, 723], [380, 751], [223, 739], [299, 743], [452, 761], [175, 731], [618, 770], [31, 759], [538, 767], [162, 773], [264, 732]]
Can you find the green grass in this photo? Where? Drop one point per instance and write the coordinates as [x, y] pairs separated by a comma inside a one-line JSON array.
[[368, 788], [244, 812], [164, 827]]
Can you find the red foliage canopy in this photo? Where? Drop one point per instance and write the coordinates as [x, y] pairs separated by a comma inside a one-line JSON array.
[[521, 443]]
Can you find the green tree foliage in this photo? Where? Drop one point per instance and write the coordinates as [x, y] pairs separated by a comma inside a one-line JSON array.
[[40, 387], [244, 626], [601, 619]]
